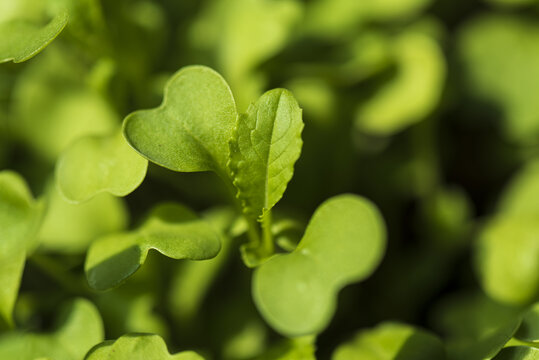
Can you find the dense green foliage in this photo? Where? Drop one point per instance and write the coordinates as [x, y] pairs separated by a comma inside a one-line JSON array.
[[269, 179]]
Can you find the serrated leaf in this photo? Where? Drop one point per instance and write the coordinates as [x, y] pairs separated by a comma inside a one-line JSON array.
[[191, 129], [171, 229], [265, 148], [344, 243], [96, 164], [518, 353], [20, 216], [137, 347], [79, 329], [390, 341], [23, 40]]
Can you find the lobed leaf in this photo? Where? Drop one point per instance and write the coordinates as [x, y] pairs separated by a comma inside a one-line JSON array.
[[266, 145], [23, 40], [171, 229], [390, 341], [343, 243], [79, 329], [191, 129], [137, 347], [96, 164], [20, 217]]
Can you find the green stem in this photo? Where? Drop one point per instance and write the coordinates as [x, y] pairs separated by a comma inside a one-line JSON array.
[[267, 237]]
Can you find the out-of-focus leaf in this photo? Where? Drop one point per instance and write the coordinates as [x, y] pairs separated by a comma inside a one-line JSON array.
[[518, 353], [265, 148], [344, 243], [391, 341], [171, 229], [529, 328], [70, 228], [79, 329], [513, 3], [23, 40], [20, 216], [500, 54], [414, 91], [521, 196], [97, 164], [137, 347], [191, 129], [301, 348], [53, 106]]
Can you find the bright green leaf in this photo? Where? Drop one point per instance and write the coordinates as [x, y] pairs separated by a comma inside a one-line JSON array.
[[79, 329], [392, 341], [137, 347], [20, 217], [266, 146], [96, 164], [171, 229], [301, 348], [22, 40], [414, 91], [344, 243], [191, 129], [518, 353], [519, 197]]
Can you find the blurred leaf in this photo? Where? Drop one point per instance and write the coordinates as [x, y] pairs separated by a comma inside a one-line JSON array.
[[79, 329], [529, 328], [519, 197], [97, 164], [518, 353], [23, 40], [137, 347], [171, 229], [20, 216], [414, 91], [70, 228], [191, 129], [391, 341], [301, 348], [500, 54], [344, 243], [265, 148]]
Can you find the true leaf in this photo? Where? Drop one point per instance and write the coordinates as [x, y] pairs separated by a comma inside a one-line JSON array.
[[79, 329], [171, 229], [518, 353], [529, 328], [137, 347], [266, 146], [96, 164], [390, 341], [22, 39], [191, 129], [20, 216], [343, 243]]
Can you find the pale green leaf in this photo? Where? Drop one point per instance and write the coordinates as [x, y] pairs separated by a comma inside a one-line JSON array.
[[344, 243], [21, 39], [137, 347], [392, 341], [300, 348], [79, 329], [529, 328], [191, 129], [518, 353], [521, 196], [70, 228], [20, 216], [414, 91], [96, 164], [171, 229], [265, 148]]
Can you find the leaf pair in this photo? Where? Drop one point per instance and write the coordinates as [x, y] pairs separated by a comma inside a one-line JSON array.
[[197, 128]]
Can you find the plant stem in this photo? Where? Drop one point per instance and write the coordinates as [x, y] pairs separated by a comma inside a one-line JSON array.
[[267, 237]]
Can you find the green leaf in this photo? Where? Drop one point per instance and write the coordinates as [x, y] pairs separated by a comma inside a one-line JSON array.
[[344, 243], [96, 164], [191, 129], [263, 153], [529, 328], [413, 93], [499, 54], [389, 341], [137, 347], [524, 186], [20, 216], [70, 228], [171, 229], [301, 348], [23, 40], [507, 259], [79, 329], [518, 353]]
